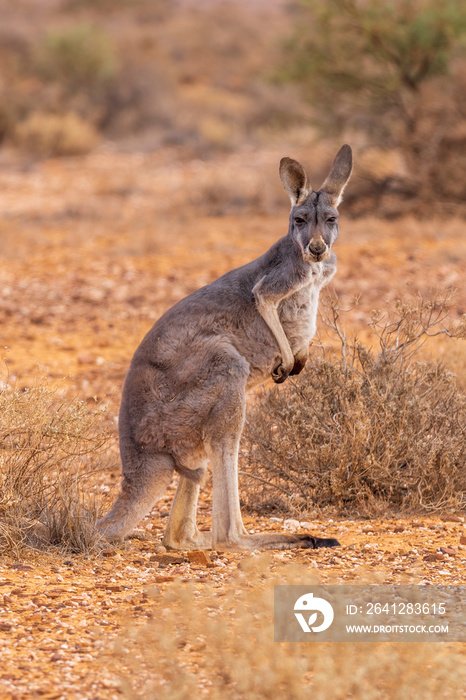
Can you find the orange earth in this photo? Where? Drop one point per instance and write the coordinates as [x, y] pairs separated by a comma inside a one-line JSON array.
[[93, 250]]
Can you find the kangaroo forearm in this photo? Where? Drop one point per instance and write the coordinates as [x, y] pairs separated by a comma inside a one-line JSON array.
[[270, 315]]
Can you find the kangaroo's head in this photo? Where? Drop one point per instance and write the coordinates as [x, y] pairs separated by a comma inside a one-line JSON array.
[[314, 215]]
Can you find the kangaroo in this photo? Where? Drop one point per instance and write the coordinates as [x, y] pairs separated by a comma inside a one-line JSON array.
[[184, 397]]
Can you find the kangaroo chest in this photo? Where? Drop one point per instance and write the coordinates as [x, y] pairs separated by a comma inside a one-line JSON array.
[[298, 312]]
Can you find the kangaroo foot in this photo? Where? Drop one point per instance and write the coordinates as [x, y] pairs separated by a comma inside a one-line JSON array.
[[248, 543], [202, 539]]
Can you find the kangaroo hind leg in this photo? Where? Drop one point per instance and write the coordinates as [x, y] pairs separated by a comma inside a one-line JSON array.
[[182, 531], [146, 478], [228, 532]]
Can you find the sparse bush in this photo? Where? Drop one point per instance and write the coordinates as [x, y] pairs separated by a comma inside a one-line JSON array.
[[366, 433], [80, 67], [48, 449], [55, 134]]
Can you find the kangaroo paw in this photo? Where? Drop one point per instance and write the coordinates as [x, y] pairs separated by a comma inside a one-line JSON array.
[[279, 374]]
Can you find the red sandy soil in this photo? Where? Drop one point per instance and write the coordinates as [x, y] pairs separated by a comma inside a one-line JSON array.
[[93, 250]]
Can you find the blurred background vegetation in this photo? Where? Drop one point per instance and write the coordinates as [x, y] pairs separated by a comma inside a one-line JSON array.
[[213, 76]]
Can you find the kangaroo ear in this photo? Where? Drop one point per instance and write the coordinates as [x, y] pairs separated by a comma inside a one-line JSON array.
[[339, 175], [294, 180]]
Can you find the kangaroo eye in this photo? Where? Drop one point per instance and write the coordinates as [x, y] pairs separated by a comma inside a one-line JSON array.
[[298, 220], [332, 220]]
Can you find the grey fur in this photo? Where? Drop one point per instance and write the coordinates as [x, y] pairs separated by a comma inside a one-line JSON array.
[[184, 397]]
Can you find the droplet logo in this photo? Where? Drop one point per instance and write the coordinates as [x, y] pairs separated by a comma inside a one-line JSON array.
[[308, 603]]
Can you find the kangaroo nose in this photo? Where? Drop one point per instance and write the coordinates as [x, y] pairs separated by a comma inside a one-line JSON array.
[[317, 247]]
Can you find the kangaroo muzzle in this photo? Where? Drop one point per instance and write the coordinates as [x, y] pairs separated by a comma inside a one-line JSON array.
[[318, 249]]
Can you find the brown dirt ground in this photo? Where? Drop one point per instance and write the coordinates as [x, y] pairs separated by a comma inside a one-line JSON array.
[[93, 250]]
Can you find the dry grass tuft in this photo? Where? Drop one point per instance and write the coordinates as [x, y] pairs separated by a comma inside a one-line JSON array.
[[220, 644], [48, 449], [370, 432], [55, 134]]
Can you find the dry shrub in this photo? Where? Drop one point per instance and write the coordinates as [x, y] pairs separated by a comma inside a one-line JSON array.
[[48, 450], [55, 134], [205, 642], [370, 432]]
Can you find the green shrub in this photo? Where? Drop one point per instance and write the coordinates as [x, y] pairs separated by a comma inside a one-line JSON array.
[[375, 48], [80, 56], [393, 70]]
